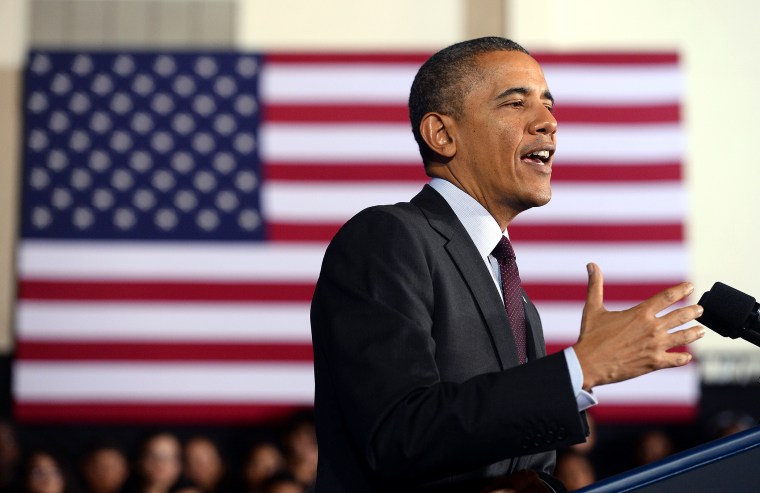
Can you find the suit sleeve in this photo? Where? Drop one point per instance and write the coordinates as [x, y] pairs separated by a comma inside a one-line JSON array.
[[373, 334]]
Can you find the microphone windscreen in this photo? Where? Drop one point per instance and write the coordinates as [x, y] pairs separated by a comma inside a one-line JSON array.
[[726, 310]]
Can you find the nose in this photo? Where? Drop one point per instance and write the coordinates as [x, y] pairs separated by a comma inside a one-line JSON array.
[[545, 123]]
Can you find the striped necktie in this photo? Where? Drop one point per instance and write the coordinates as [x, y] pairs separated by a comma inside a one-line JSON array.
[[512, 291]]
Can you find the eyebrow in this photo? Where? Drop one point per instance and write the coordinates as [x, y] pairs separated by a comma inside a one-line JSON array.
[[524, 91]]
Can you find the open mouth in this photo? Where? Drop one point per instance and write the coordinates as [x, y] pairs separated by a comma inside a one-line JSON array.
[[538, 157]]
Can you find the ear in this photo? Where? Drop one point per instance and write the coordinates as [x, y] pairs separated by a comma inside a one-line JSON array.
[[436, 130]]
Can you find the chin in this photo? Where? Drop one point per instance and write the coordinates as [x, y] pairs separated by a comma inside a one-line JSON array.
[[541, 199]]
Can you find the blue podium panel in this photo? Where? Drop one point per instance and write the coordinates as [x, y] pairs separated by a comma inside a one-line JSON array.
[[731, 464]]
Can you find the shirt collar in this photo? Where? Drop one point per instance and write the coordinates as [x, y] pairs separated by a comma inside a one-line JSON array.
[[477, 221]]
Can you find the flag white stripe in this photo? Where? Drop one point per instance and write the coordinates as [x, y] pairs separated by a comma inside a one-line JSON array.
[[671, 386], [268, 262], [324, 142], [337, 83], [165, 322], [648, 203], [86, 321], [634, 262], [561, 320], [389, 83], [262, 262], [615, 84], [261, 382], [164, 382]]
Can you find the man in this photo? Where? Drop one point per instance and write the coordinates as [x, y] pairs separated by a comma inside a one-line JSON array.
[[424, 382]]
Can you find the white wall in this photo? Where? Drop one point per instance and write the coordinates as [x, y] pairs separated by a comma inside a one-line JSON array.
[[719, 42], [350, 24], [13, 15]]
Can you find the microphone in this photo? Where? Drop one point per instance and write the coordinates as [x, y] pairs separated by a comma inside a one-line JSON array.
[[731, 313]]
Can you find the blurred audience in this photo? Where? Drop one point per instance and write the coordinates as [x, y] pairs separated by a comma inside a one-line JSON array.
[[203, 464], [104, 469], [162, 465]]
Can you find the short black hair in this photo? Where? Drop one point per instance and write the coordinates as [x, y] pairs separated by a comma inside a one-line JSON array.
[[441, 83]]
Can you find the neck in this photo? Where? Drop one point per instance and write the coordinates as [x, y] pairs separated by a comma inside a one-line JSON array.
[[502, 212]]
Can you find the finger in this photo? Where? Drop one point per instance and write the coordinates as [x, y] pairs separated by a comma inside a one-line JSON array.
[[681, 316], [686, 336], [595, 290], [674, 359], [665, 298]]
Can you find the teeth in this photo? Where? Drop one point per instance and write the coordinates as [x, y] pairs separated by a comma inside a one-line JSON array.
[[541, 154]]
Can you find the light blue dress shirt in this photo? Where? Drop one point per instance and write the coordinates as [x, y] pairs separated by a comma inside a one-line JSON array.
[[486, 234]]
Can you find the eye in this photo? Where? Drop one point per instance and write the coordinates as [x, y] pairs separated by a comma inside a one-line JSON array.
[[515, 104]]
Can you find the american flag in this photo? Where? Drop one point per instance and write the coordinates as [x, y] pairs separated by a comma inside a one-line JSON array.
[[176, 207]]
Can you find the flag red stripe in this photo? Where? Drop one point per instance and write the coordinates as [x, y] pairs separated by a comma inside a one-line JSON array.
[[347, 58], [609, 233], [649, 413], [86, 290], [163, 291], [123, 412], [162, 351], [414, 172], [652, 58], [567, 172], [345, 172], [630, 292], [302, 113], [555, 347], [132, 412]]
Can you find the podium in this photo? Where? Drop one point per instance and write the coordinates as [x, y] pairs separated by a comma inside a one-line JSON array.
[[730, 464]]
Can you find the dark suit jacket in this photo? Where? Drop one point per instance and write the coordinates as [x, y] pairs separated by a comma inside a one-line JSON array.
[[418, 385]]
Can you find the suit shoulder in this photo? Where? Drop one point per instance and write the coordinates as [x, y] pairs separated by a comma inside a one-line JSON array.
[[384, 220]]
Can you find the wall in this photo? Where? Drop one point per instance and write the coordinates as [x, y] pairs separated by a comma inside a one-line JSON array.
[[13, 14]]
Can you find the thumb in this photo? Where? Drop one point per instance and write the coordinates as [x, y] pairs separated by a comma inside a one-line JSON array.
[[595, 291]]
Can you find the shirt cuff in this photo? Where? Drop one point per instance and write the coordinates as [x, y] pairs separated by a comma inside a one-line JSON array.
[[584, 399]]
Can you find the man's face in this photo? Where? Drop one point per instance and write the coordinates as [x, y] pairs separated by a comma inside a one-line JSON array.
[[505, 136]]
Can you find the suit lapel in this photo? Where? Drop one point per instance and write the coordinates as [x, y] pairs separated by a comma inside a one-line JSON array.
[[473, 271]]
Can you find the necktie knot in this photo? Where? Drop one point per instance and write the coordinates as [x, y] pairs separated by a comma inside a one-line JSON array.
[[503, 250]]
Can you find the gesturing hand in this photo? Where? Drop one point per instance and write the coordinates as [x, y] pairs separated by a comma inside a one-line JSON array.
[[617, 346]]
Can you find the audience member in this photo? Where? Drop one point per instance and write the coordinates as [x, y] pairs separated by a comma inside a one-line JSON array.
[[574, 469], [300, 443], [264, 461], [43, 472], [105, 469], [652, 446], [204, 466], [588, 446], [9, 455], [159, 464], [283, 483], [727, 423]]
